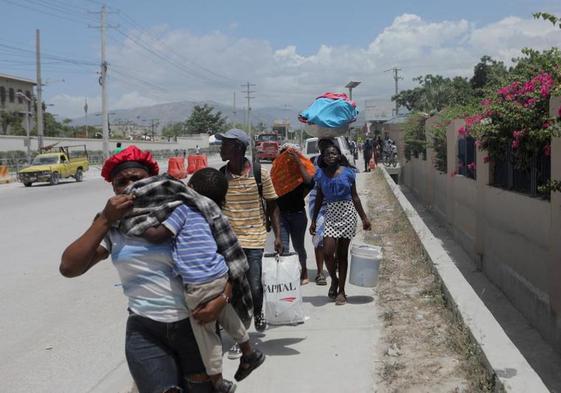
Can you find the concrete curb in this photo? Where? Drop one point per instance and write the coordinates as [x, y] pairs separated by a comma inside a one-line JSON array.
[[511, 371]]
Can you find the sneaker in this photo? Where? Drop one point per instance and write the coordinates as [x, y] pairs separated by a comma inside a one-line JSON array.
[[225, 386], [260, 323], [234, 352]]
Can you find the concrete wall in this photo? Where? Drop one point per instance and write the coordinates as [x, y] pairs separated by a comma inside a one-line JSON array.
[[514, 238], [10, 142]]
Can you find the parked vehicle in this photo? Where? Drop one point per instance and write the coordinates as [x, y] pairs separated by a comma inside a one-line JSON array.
[[311, 148], [267, 146], [51, 166]]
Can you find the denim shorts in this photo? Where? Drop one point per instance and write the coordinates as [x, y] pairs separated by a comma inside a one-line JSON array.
[[163, 355]]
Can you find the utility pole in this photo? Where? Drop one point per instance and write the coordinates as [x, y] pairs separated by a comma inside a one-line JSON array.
[[234, 106], [39, 90], [103, 83], [249, 97], [86, 112], [155, 123], [104, 65], [396, 78]]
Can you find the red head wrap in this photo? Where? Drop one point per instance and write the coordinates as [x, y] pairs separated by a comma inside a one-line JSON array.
[[131, 154]]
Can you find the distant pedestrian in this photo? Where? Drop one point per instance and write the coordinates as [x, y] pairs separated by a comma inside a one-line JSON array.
[[336, 180], [367, 153], [197, 150], [119, 148]]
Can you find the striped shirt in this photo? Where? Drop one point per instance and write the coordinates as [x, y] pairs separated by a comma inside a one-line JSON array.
[[244, 209], [195, 252]]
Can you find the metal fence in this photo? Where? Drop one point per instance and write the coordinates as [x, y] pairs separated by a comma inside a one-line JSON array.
[[505, 174], [467, 157], [16, 160]]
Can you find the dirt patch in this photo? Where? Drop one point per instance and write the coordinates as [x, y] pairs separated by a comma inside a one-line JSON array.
[[425, 349]]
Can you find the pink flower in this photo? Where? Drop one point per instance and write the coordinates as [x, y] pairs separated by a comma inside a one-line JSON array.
[[547, 150], [486, 159], [529, 86], [515, 144], [486, 102], [471, 166], [462, 131], [559, 112], [478, 144], [544, 91], [546, 124], [517, 134]]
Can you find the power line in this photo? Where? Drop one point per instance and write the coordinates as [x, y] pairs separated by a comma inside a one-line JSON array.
[[171, 50]]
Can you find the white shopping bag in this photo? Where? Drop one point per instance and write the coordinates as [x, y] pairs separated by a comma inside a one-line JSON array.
[[281, 287]]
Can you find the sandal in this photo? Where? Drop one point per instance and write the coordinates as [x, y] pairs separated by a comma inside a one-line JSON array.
[[341, 299], [249, 363], [332, 293], [304, 281], [320, 280]]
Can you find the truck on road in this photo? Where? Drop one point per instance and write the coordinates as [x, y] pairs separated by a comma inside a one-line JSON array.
[[51, 166], [267, 145]]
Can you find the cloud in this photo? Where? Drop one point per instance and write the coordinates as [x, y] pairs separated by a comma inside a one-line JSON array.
[[212, 66]]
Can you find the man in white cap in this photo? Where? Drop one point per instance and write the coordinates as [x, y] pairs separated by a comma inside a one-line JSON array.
[[250, 205]]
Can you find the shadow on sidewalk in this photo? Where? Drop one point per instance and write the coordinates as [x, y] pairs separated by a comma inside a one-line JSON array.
[[270, 347]]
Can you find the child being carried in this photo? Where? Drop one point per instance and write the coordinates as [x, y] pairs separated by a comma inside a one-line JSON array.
[[205, 277]]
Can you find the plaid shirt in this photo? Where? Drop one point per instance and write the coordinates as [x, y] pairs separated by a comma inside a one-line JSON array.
[[156, 197]]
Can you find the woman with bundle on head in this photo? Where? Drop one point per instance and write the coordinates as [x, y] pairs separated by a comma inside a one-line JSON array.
[[336, 180]]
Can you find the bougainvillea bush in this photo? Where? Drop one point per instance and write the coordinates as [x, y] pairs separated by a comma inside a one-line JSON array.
[[516, 116]]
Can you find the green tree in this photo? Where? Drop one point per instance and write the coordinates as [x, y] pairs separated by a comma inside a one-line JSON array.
[[555, 21], [11, 120], [436, 92], [51, 126], [488, 73], [204, 119], [173, 130]]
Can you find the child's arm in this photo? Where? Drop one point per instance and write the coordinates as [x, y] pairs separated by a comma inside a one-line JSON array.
[[169, 228], [157, 234]]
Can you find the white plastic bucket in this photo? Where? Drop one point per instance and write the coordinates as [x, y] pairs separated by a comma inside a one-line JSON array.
[[365, 263]]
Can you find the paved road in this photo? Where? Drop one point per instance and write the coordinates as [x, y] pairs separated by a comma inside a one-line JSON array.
[[61, 335]]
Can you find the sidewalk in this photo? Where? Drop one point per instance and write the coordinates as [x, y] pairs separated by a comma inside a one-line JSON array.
[[333, 351]]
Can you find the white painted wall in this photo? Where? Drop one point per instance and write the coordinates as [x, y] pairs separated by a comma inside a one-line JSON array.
[[9, 142]]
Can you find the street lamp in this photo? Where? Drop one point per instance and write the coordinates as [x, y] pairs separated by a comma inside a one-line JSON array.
[[351, 85], [27, 124]]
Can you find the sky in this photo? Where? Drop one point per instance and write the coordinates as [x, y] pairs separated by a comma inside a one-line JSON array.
[[292, 51]]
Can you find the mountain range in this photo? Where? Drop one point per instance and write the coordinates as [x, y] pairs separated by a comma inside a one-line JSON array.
[[173, 112]]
